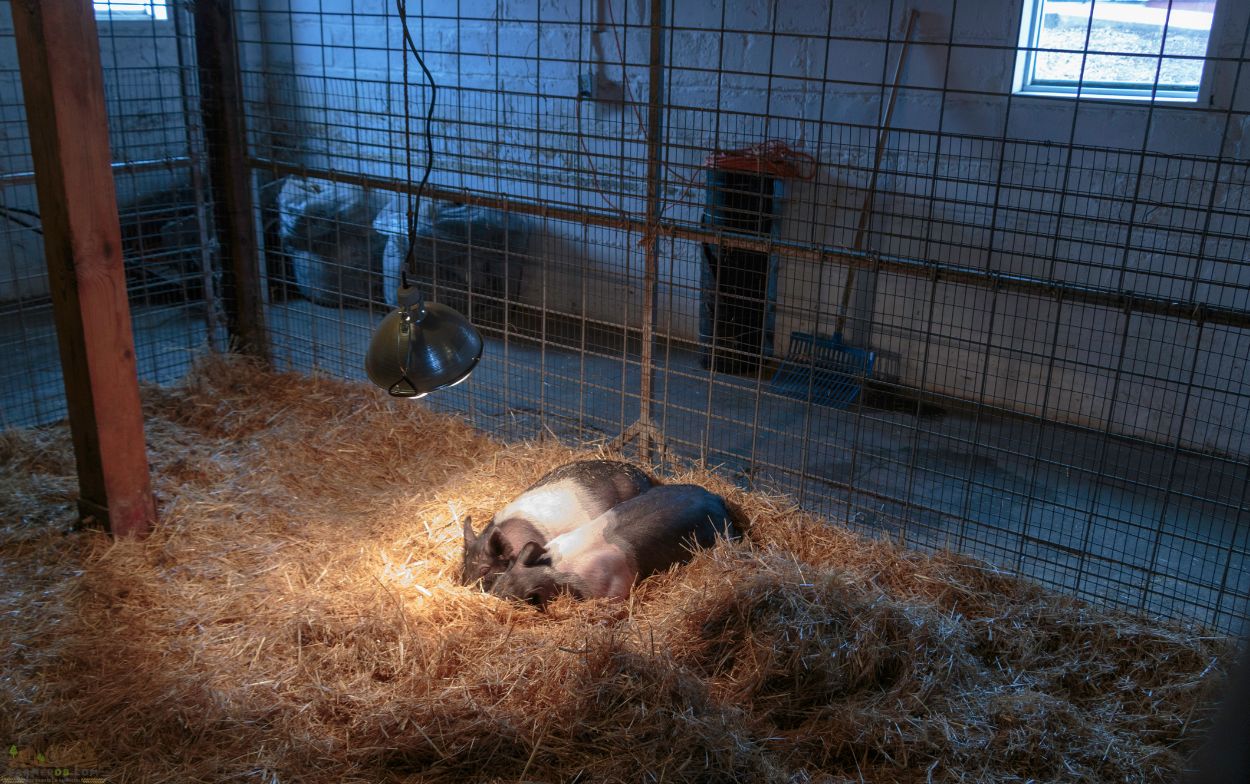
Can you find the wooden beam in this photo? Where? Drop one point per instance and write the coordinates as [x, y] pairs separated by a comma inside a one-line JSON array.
[[69, 143], [221, 106]]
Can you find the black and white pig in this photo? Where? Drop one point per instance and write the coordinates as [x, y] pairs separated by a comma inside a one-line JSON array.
[[564, 499], [604, 558]]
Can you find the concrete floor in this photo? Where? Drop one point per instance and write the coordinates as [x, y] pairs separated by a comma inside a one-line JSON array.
[[167, 340], [1125, 524]]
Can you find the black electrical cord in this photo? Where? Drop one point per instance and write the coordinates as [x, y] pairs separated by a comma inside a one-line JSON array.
[[401, 6]]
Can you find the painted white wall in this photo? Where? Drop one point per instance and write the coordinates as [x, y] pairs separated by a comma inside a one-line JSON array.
[[509, 123]]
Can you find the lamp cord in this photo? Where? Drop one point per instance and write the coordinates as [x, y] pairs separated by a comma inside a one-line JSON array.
[[414, 200]]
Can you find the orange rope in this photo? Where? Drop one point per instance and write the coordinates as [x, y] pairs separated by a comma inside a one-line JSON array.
[[773, 157]]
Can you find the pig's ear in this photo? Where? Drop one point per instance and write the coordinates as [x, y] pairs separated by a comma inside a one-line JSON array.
[[531, 554], [469, 536], [495, 544]]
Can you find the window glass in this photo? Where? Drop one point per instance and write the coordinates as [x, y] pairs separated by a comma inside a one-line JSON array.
[[111, 10], [1125, 48]]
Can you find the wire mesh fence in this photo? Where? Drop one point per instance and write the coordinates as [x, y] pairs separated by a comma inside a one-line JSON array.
[[888, 278], [150, 92], [1053, 292]]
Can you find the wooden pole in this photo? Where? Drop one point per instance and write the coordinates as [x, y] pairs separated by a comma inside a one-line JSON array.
[[64, 91], [865, 211], [221, 105]]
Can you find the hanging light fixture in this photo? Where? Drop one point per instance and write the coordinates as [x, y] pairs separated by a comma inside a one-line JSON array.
[[422, 346]]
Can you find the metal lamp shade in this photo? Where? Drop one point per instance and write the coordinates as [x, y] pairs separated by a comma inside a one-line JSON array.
[[432, 348]]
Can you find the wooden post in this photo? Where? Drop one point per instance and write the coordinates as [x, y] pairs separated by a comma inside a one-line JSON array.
[[221, 105], [64, 90]]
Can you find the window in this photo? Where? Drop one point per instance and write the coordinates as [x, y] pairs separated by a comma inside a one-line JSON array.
[[1126, 49], [139, 10]]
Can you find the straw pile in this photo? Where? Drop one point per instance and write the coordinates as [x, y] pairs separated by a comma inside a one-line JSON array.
[[296, 619]]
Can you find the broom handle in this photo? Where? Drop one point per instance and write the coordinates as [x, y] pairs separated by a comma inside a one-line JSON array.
[[865, 213]]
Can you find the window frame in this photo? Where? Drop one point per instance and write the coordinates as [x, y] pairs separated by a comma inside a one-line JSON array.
[[104, 13], [1026, 54]]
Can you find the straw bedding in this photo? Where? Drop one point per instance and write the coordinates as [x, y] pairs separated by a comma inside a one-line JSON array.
[[295, 618]]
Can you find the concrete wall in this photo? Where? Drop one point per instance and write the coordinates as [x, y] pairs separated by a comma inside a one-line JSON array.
[[1081, 191], [146, 122]]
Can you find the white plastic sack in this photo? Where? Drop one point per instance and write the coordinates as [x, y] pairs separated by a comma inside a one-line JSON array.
[[460, 250], [327, 229]]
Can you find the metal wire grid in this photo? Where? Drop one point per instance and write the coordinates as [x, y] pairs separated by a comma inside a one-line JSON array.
[[149, 89], [1092, 433]]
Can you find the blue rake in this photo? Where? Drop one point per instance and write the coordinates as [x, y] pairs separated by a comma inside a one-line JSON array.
[[831, 370]]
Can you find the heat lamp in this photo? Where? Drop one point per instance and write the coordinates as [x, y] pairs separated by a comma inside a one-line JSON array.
[[421, 346]]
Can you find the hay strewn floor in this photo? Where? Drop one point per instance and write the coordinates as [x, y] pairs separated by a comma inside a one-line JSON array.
[[296, 619]]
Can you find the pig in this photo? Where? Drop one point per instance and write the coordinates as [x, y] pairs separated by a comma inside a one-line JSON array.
[[564, 499], [605, 557]]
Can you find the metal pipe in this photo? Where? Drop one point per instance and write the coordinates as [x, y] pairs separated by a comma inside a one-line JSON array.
[[1133, 302], [196, 157], [651, 271], [127, 167]]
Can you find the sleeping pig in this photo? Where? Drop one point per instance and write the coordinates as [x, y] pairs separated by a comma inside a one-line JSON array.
[[605, 557], [564, 499]]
